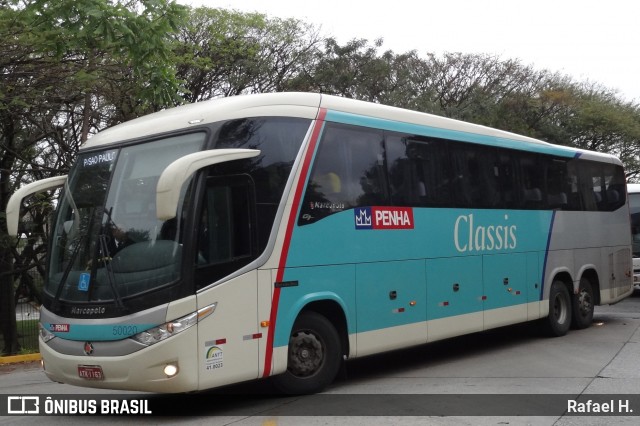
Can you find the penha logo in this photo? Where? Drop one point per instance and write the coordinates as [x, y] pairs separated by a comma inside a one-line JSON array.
[[383, 217], [59, 328], [363, 217]]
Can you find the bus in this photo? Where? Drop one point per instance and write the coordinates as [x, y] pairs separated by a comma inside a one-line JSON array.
[[280, 235], [633, 189]]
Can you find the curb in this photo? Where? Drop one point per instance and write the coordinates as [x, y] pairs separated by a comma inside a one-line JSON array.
[[19, 358]]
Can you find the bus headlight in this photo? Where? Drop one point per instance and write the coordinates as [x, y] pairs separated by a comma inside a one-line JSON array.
[[171, 328], [45, 334]]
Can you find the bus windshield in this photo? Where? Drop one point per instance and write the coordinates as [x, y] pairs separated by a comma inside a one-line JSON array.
[[107, 242]]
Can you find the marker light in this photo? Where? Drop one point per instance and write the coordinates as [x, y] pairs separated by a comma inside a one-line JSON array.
[[171, 328], [170, 370]]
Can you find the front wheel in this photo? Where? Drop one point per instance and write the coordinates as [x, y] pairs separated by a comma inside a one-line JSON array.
[[583, 304], [314, 356], [559, 319]]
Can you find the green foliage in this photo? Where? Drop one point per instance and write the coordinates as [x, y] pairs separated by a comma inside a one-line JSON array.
[[110, 45], [70, 68], [224, 53]]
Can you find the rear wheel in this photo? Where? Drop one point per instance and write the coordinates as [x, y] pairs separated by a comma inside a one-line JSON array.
[[559, 319], [583, 304], [314, 356]]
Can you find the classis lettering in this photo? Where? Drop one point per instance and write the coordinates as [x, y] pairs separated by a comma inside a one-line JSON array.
[[469, 237]]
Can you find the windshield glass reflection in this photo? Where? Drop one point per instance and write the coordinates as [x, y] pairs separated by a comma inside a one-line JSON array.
[[108, 243]]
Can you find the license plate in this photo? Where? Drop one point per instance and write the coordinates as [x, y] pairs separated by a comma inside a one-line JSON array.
[[90, 372]]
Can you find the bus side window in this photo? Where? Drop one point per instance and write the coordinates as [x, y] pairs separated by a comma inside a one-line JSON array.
[[216, 227], [615, 187], [532, 197], [418, 171], [349, 171], [561, 183], [602, 186], [226, 232], [486, 184], [477, 180], [591, 186], [505, 173]]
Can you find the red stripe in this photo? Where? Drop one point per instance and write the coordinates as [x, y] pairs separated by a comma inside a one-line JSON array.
[[287, 238]]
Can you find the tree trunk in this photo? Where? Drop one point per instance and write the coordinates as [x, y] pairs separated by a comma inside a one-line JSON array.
[[7, 306], [8, 325]]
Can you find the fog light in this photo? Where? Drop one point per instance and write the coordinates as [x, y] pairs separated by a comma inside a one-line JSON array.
[[42, 363], [170, 370]]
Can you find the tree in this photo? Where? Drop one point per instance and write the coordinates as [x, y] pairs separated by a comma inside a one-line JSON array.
[[69, 69], [354, 70], [225, 53], [596, 119]]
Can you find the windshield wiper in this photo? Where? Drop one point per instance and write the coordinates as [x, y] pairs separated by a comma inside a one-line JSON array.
[[110, 277], [67, 271]]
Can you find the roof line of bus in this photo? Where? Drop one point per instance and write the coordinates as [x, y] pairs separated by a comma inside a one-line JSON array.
[[303, 105]]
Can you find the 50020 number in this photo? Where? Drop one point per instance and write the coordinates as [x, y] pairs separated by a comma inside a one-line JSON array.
[[125, 330]]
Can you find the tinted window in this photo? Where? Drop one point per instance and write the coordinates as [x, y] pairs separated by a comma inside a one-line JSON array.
[[561, 184], [226, 237], [419, 172], [476, 176], [279, 140], [349, 171], [602, 186], [357, 166]]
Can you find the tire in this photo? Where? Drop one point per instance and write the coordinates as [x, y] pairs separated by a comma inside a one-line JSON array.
[[583, 305], [315, 355], [559, 320]]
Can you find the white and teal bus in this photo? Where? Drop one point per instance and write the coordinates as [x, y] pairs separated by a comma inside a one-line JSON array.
[[282, 234]]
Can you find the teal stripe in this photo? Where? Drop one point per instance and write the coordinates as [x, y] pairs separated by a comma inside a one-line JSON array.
[[101, 332], [436, 132]]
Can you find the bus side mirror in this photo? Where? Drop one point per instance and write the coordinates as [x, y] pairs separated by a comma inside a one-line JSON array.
[[13, 206], [176, 174]]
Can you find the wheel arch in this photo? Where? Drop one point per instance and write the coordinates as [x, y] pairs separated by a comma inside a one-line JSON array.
[[589, 272], [316, 348], [565, 277], [331, 307]]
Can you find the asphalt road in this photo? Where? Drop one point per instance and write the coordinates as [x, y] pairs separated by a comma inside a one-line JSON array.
[[509, 376]]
